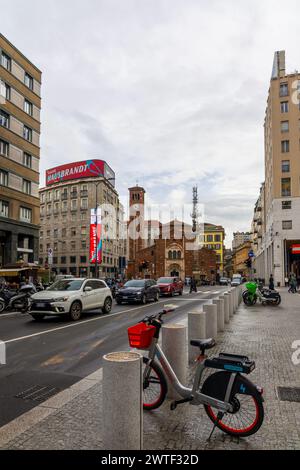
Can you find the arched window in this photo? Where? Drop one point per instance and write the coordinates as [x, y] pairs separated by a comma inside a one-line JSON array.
[[174, 254], [170, 254], [178, 254]]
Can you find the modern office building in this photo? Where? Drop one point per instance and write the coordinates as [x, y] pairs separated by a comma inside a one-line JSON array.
[[279, 244], [20, 105], [72, 191]]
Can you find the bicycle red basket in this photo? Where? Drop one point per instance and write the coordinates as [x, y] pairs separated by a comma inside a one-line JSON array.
[[140, 335]]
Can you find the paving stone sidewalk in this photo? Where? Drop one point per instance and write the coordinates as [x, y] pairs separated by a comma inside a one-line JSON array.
[[265, 334]]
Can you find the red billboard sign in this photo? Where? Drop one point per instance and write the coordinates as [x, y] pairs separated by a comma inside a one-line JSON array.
[[95, 237], [296, 249], [78, 170]]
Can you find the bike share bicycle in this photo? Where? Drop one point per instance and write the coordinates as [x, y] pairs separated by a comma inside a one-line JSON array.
[[231, 401]]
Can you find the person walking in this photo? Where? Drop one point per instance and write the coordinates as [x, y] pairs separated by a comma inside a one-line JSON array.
[[293, 283], [193, 285], [271, 283]]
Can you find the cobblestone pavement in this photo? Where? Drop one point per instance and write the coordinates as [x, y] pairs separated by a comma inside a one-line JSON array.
[[265, 334]]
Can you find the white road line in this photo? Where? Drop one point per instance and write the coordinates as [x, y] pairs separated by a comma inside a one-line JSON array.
[[14, 340], [9, 314]]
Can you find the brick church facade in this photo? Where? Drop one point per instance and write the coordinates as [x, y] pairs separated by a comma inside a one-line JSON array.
[[157, 250]]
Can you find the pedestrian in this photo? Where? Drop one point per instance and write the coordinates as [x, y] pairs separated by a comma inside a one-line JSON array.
[[193, 285], [271, 283], [293, 283]]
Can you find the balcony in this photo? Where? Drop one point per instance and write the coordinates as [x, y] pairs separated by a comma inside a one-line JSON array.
[[84, 193], [74, 194], [64, 197]]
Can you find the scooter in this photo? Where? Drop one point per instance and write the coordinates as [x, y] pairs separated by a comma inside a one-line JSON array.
[[264, 295], [5, 297], [21, 302]]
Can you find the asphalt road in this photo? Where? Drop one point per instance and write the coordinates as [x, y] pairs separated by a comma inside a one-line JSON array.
[[46, 358]]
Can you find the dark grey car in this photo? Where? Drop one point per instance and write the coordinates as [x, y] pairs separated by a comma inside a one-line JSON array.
[[139, 290]]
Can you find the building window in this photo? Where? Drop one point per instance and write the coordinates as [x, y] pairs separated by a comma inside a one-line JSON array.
[[4, 119], [57, 195], [27, 160], [83, 215], [210, 238], [28, 108], [27, 133], [284, 126], [217, 238], [55, 233], [6, 61], [49, 209], [284, 107], [28, 80], [286, 187], [73, 259], [83, 231], [4, 207], [5, 90], [83, 244], [284, 89], [4, 148], [64, 232], [42, 198], [286, 205], [25, 214], [285, 166], [82, 259], [84, 204], [287, 225], [49, 196], [64, 206], [73, 246], [3, 178], [73, 232], [63, 260], [74, 205], [26, 187], [285, 146]]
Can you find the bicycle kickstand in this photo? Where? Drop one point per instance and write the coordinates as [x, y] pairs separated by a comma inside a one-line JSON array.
[[219, 417]]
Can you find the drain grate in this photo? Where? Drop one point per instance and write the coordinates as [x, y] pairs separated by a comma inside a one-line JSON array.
[[291, 394], [38, 393]]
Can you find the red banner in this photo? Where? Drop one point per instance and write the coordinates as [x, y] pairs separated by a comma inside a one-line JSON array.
[[296, 249], [77, 170], [95, 237]]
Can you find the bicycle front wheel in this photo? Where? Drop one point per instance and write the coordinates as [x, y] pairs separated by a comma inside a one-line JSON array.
[[155, 386]]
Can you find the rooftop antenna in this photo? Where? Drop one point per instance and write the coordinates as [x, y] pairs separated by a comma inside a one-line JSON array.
[[194, 215]]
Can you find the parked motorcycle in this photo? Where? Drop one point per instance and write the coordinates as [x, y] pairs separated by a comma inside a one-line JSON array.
[[259, 293], [21, 302], [5, 297]]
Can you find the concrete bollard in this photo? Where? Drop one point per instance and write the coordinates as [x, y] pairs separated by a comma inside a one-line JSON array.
[[240, 295], [235, 299], [211, 320], [174, 345], [220, 313], [196, 330], [230, 304], [226, 308], [122, 401]]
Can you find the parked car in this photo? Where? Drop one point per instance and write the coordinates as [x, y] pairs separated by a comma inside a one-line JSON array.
[[71, 297], [236, 281], [224, 281], [139, 290], [170, 286]]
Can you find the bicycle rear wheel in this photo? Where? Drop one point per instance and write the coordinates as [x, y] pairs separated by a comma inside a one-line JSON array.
[[155, 387], [245, 419]]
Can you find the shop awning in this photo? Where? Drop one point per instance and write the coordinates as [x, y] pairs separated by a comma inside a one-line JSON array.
[[11, 272]]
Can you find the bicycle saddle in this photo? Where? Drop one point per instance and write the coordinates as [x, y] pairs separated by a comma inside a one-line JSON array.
[[203, 344]]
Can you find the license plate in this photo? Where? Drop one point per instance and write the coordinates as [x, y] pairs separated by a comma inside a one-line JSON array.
[[125, 297], [40, 305]]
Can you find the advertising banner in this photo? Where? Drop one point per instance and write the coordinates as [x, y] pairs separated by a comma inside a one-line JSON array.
[[77, 170], [95, 237]]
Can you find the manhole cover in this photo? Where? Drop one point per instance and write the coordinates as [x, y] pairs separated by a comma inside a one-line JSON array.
[[289, 394], [38, 393]]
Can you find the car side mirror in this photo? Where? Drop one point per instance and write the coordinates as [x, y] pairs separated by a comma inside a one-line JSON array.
[[88, 289]]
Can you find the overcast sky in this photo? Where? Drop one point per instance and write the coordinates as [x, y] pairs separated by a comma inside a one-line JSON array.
[[171, 93]]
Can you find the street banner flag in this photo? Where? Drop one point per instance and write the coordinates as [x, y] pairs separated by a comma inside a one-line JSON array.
[[95, 237]]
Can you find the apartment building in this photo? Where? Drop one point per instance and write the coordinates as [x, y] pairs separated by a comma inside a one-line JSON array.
[[214, 238], [279, 246], [239, 238], [20, 105], [72, 191]]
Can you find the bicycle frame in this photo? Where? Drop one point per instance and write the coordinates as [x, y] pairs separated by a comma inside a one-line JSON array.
[[192, 394]]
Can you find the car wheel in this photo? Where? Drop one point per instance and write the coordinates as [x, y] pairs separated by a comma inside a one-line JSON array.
[[38, 317], [75, 311], [144, 299], [107, 305]]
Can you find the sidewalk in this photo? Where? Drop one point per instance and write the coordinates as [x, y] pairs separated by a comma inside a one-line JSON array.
[[265, 334]]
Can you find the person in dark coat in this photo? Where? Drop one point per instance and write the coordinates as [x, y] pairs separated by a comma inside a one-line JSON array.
[[193, 285], [271, 283]]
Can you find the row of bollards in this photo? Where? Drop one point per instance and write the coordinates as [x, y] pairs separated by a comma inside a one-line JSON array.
[[123, 371]]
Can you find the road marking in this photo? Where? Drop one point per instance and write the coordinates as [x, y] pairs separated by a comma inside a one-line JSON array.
[[9, 314], [14, 340]]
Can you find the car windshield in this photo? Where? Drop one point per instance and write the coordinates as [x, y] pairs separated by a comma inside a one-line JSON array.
[[135, 284], [66, 285], [165, 280]]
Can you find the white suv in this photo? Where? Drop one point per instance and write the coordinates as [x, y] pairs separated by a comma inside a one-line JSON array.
[[72, 297]]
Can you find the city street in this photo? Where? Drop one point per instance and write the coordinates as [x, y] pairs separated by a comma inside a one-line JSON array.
[[47, 357]]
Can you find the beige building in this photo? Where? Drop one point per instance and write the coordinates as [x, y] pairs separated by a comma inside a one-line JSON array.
[[239, 238], [65, 226], [20, 104], [277, 251]]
